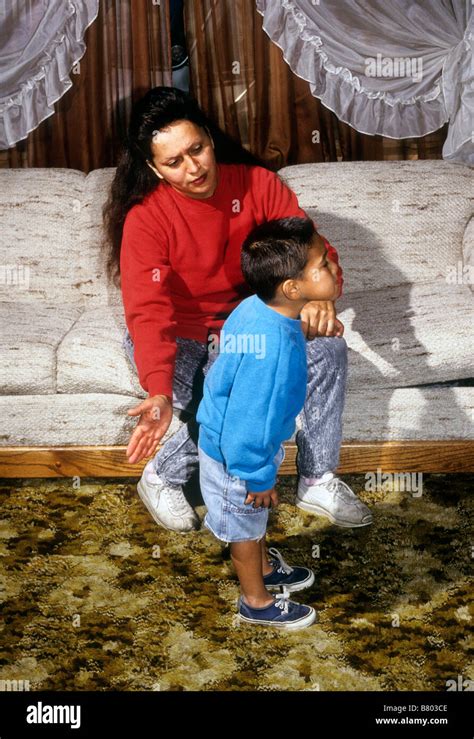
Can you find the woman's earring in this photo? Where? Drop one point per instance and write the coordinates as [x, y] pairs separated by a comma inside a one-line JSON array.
[[155, 171], [209, 134]]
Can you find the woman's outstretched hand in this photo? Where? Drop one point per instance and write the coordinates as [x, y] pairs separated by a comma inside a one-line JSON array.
[[155, 414]]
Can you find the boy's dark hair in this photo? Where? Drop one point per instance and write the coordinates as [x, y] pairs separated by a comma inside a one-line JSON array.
[[276, 251]]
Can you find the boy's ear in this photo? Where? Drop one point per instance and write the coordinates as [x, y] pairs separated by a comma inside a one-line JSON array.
[[290, 289]]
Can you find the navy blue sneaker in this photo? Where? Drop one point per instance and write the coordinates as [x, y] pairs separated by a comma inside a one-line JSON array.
[[282, 613], [292, 578]]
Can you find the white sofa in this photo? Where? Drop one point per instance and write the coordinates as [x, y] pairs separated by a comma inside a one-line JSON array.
[[404, 232]]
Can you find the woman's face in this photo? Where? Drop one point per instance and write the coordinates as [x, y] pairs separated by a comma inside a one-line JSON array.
[[182, 153]]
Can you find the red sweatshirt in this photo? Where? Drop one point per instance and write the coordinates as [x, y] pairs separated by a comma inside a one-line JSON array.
[[180, 263]]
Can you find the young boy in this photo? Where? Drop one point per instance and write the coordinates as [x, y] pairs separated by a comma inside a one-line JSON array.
[[252, 394]]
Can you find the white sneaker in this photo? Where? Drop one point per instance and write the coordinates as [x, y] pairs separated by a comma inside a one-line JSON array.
[[332, 498], [166, 504]]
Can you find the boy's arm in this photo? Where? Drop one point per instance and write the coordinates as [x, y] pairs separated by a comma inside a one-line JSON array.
[[252, 417]]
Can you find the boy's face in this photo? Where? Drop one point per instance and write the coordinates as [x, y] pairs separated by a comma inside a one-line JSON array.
[[319, 281]]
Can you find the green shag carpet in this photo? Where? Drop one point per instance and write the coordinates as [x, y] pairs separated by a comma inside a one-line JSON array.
[[95, 596]]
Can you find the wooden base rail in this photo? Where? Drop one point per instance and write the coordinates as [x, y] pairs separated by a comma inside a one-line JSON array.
[[355, 457]]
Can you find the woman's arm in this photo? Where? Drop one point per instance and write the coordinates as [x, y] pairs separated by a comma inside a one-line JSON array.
[[149, 313], [145, 273]]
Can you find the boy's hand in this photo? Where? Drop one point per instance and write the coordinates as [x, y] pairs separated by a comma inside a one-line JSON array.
[[318, 318], [265, 499]]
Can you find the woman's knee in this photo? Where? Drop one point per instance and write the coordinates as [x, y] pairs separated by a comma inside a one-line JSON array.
[[330, 350], [340, 349]]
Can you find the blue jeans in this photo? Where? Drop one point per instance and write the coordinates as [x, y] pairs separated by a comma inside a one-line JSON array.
[[228, 517], [319, 439]]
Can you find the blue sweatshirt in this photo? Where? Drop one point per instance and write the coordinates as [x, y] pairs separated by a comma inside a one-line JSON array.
[[253, 392]]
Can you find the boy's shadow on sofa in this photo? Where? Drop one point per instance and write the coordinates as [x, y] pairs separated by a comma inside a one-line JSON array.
[[399, 337]]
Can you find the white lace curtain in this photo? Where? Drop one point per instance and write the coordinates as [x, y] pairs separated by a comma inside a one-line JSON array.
[[40, 42], [399, 69]]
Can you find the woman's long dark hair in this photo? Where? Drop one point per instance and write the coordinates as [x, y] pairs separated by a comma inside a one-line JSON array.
[[134, 179]]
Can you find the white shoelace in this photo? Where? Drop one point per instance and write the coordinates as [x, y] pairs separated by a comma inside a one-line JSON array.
[[339, 486], [174, 495], [283, 567], [282, 600]]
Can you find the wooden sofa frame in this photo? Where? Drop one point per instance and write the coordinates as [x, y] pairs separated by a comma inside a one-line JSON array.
[[356, 457]]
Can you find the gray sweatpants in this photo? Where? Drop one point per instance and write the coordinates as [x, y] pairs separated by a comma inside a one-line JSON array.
[[319, 439]]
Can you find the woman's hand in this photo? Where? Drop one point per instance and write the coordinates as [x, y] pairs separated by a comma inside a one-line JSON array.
[[155, 414], [318, 318]]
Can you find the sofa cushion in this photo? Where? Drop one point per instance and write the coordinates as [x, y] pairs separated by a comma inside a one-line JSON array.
[[408, 335], [39, 212], [92, 419], [30, 334], [397, 337], [85, 419], [409, 413], [91, 358], [392, 223], [467, 274], [96, 186]]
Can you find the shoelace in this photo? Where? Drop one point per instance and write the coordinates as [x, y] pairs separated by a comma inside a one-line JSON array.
[[283, 600], [175, 497], [340, 488], [283, 566]]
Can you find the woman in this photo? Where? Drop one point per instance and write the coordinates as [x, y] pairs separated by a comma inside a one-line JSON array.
[[184, 197]]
